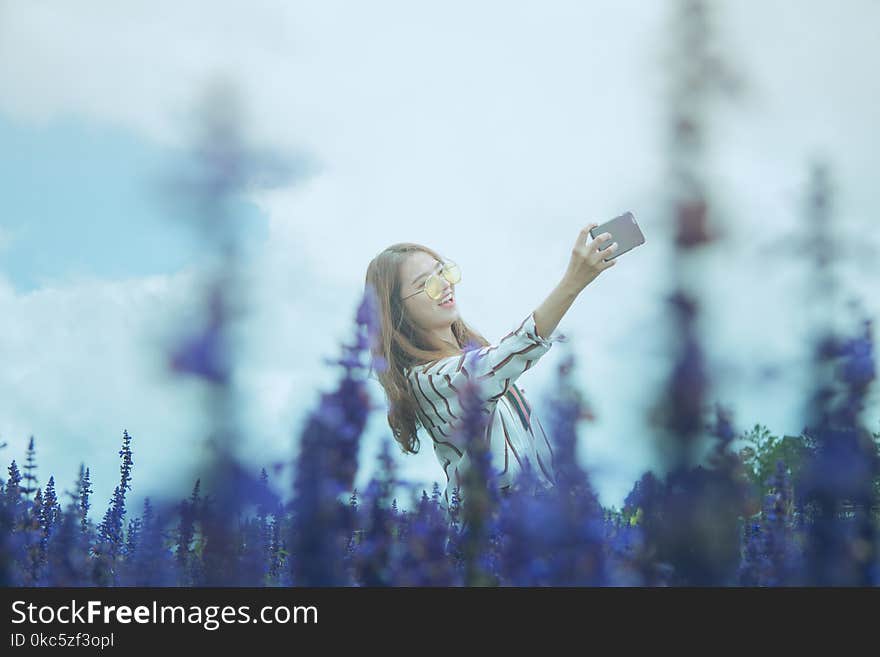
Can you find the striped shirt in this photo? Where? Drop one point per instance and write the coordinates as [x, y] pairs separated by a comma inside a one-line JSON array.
[[515, 434]]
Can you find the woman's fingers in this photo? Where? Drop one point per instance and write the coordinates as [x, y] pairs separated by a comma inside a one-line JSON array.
[[606, 251], [600, 240], [584, 234], [587, 261], [610, 263]]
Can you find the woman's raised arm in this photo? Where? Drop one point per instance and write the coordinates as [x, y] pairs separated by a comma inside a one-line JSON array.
[[586, 263], [438, 384]]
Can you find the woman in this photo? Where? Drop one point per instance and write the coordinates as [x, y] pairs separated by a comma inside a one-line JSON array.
[[421, 342]]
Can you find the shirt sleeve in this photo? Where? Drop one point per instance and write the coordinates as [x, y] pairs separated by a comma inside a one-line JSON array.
[[437, 385]]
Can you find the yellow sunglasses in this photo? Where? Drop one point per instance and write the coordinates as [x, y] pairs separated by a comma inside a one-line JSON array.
[[433, 286]]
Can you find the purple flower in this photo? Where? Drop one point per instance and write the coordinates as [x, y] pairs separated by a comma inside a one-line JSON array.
[[205, 353], [857, 367]]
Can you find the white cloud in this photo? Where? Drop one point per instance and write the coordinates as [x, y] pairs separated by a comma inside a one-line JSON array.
[[77, 376]]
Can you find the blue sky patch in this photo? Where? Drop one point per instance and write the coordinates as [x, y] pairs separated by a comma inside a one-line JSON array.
[[82, 198]]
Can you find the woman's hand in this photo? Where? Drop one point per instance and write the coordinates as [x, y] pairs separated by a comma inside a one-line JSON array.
[[587, 262]]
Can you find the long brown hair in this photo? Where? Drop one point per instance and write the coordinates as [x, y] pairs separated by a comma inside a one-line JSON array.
[[401, 344]]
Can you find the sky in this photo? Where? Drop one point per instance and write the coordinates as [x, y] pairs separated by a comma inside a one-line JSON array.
[[513, 124]]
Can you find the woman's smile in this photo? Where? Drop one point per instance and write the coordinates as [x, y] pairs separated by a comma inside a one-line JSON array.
[[450, 303]]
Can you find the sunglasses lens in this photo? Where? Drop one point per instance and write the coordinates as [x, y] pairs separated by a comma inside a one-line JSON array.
[[434, 286], [452, 272]]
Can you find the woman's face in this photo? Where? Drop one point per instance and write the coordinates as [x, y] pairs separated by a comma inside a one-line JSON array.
[[422, 309]]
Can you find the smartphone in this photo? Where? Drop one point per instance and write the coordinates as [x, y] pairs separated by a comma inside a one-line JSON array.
[[624, 230]]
